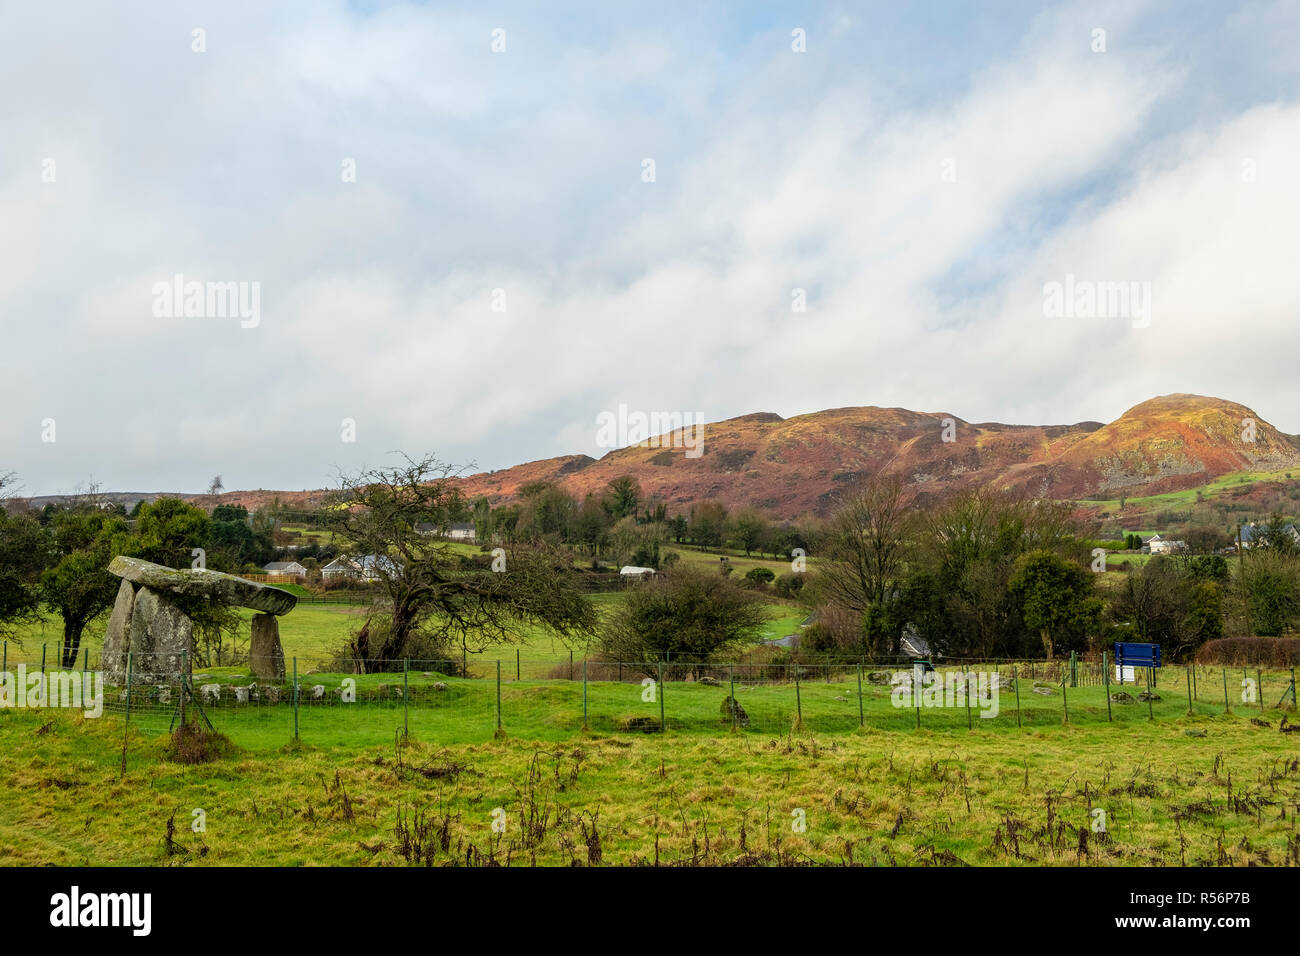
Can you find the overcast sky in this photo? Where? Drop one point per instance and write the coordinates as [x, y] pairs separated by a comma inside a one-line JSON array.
[[921, 174]]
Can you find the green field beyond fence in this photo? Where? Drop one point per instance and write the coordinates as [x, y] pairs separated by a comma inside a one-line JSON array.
[[546, 701]]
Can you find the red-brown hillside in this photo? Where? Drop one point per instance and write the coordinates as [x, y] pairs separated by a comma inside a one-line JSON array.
[[796, 465]]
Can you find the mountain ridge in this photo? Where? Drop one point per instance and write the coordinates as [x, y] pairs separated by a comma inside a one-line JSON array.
[[801, 464]]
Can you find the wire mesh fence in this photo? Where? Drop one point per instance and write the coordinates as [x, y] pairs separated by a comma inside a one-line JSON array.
[[466, 701]]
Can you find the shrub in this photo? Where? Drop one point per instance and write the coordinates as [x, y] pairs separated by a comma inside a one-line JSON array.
[[1251, 651], [789, 585]]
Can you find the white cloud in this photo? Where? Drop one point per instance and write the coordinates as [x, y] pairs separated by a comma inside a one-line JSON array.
[[521, 171]]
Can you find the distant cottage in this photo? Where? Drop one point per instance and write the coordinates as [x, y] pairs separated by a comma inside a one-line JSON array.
[[1159, 544], [369, 568], [457, 531], [284, 569]]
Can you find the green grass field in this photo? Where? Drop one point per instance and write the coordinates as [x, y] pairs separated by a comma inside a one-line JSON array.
[[995, 795], [1174, 499], [314, 632]]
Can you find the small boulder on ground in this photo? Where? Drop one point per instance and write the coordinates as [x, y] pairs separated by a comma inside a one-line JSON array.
[[645, 725], [1147, 695], [729, 706], [1047, 690], [711, 681], [1122, 697]]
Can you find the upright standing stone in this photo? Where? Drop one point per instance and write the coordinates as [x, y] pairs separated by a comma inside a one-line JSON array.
[[117, 638], [160, 631], [265, 653]]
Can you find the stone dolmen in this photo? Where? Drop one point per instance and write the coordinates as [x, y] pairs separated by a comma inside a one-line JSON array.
[[148, 621]]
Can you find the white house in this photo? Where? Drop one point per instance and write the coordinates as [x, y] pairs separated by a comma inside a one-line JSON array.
[[631, 571], [284, 569], [369, 568], [457, 531], [1159, 544], [1251, 532], [340, 567]]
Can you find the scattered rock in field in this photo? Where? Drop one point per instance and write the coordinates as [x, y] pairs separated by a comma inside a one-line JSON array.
[[878, 677], [1047, 690], [842, 700], [441, 685], [711, 681], [645, 725], [1121, 697], [1195, 733], [1147, 695], [1261, 722], [730, 704]]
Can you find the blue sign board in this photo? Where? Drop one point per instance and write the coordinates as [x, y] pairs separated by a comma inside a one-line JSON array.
[[1137, 655]]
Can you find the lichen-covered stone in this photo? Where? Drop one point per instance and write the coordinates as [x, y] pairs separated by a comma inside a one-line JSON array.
[[117, 637], [223, 589], [265, 653], [162, 638]]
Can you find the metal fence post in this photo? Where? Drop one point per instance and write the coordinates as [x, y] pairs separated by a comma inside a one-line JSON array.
[[916, 692], [1105, 674], [406, 694], [861, 717], [662, 726], [516, 665], [570, 665], [1150, 713], [5, 666], [1189, 690], [798, 699], [126, 726], [42, 660], [1065, 703], [584, 693], [731, 677], [499, 693], [1227, 708], [184, 686], [1015, 682], [1259, 688], [969, 725], [295, 698]]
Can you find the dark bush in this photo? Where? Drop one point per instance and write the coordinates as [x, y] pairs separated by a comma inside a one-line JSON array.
[[1252, 651]]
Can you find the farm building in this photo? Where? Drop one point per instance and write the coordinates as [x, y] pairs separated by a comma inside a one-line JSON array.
[[1251, 534], [368, 568], [456, 531], [1159, 544], [285, 569]]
